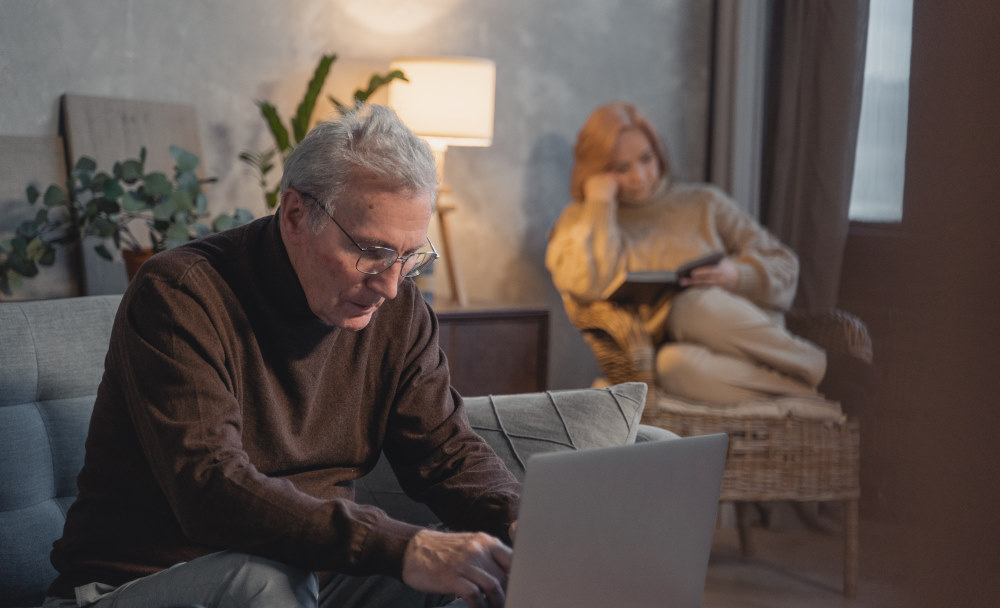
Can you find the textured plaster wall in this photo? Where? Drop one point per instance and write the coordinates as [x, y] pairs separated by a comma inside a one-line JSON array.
[[556, 61]]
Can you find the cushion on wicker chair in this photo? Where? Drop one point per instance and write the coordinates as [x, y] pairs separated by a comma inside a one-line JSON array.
[[802, 408]]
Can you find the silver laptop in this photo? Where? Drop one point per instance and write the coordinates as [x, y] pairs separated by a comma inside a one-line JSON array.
[[620, 526]]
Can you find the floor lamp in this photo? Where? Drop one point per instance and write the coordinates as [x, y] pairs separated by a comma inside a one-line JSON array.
[[449, 102]]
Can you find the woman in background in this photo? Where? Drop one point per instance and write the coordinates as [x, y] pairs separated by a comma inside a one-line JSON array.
[[721, 340]]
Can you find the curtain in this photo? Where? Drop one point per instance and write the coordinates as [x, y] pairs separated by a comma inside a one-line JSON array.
[[813, 104]]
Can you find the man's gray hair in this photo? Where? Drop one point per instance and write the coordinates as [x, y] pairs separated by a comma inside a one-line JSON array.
[[369, 142]]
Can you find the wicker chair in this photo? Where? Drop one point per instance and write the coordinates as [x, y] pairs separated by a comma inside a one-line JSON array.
[[769, 459]]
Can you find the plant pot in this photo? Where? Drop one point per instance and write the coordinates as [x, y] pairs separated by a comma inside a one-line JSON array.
[[134, 259]]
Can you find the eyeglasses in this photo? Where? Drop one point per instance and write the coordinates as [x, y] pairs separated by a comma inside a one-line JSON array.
[[377, 259]]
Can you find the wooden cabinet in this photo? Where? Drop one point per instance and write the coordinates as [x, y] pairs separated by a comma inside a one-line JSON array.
[[495, 351]]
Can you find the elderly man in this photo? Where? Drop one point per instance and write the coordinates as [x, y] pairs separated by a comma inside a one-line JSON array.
[[253, 375]]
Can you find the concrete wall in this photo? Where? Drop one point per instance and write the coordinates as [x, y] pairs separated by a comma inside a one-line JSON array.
[[556, 61]]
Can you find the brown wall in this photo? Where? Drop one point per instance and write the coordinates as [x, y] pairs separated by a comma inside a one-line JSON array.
[[929, 292]]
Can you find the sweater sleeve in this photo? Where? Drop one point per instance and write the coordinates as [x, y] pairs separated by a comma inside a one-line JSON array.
[[768, 269], [437, 457], [585, 255], [188, 414]]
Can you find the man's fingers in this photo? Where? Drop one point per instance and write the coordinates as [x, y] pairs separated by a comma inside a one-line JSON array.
[[503, 555], [488, 591]]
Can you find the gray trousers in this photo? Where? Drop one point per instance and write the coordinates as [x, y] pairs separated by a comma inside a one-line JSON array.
[[236, 580]]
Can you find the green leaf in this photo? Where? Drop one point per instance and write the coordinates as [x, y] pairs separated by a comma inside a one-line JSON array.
[[376, 83], [32, 193], [188, 181], [186, 161], [178, 231], [103, 252], [54, 195], [132, 202], [103, 227], [48, 257], [86, 164], [242, 216], [278, 130], [97, 183], [25, 268], [107, 206], [261, 162], [41, 217], [272, 198], [223, 222], [18, 245], [113, 189], [36, 248], [181, 201], [300, 123], [201, 205], [201, 229], [340, 107], [131, 171], [27, 230], [157, 184], [83, 177], [164, 210]]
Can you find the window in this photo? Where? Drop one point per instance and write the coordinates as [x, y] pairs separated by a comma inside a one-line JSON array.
[[879, 164]]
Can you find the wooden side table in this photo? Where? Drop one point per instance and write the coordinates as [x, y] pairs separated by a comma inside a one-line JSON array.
[[495, 350]]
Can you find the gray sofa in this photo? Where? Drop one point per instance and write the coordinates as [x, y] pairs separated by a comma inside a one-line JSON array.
[[51, 361]]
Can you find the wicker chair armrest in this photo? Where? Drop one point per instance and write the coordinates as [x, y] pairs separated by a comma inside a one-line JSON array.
[[621, 323], [837, 331], [623, 347]]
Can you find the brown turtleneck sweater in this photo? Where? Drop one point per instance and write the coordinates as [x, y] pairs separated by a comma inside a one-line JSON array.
[[230, 417]]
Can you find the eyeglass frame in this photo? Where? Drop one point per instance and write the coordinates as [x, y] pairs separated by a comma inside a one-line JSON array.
[[402, 259]]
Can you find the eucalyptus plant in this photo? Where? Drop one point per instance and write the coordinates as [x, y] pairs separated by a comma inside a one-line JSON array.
[[108, 206], [286, 139]]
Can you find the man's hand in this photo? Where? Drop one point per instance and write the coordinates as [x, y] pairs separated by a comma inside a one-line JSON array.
[[472, 565]]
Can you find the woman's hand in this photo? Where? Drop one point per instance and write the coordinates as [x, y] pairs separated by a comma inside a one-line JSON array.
[[725, 274], [600, 187]]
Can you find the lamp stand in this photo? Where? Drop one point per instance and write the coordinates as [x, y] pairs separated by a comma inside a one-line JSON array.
[[444, 208]]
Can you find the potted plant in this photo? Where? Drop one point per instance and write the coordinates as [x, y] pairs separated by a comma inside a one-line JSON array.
[[286, 139], [112, 207]]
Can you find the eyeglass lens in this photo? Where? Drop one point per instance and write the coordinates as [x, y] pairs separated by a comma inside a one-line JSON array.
[[374, 260]]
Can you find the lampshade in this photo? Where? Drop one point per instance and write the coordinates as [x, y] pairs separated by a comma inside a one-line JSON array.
[[448, 100]]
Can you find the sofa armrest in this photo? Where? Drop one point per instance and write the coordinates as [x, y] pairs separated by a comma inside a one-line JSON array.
[[648, 432]]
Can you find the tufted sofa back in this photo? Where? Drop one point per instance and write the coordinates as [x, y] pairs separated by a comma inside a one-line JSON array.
[[51, 361]]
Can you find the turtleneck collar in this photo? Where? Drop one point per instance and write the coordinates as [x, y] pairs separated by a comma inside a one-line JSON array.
[[657, 193], [277, 275]]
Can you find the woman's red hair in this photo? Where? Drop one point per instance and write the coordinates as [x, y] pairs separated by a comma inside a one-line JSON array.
[[596, 142]]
